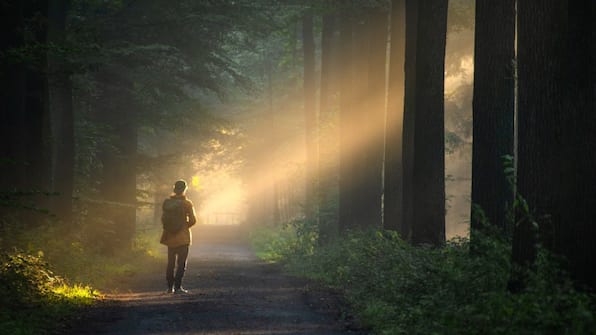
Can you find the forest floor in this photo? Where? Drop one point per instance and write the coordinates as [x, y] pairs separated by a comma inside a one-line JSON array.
[[231, 292]]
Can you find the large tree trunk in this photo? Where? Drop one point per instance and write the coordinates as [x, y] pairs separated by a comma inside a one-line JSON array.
[[24, 115], [557, 123], [393, 196], [310, 118], [573, 237], [493, 109], [540, 71], [61, 114], [12, 93], [428, 226], [410, 74]]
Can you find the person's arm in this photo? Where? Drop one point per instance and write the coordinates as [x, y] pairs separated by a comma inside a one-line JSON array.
[[192, 218]]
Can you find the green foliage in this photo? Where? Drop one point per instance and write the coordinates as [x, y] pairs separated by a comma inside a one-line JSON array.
[[396, 288], [33, 299], [294, 239]]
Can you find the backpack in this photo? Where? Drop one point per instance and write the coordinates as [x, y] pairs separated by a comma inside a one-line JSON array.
[[174, 215]]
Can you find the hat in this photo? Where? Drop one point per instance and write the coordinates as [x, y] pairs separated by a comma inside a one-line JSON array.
[[179, 186]]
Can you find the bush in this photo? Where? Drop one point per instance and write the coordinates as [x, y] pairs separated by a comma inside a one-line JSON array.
[[33, 298], [395, 288]]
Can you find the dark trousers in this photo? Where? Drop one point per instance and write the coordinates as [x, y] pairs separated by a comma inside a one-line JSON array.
[[176, 256]]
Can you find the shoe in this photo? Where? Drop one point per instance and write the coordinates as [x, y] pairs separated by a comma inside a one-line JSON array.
[[170, 290], [180, 290]]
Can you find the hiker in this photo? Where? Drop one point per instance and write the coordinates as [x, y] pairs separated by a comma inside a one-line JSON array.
[[177, 218]]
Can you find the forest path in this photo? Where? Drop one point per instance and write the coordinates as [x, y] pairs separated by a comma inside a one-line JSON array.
[[231, 292]]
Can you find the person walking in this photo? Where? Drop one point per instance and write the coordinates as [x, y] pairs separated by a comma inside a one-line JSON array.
[[178, 216]]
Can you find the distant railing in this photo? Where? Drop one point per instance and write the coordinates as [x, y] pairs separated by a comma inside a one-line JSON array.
[[221, 218]]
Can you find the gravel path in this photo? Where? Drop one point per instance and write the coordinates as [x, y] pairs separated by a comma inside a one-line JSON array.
[[231, 292]]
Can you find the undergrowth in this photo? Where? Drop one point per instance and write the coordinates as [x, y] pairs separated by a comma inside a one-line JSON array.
[[395, 288], [34, 299]]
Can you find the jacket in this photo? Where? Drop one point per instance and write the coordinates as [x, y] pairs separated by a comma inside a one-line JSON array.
[[184, 235]]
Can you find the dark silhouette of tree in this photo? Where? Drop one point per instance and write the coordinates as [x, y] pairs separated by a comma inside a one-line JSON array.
[[493, 109], [428, 174], [557, 135], [410, 75], [394, 183], [25, 118], [572, 235], [61, 112]]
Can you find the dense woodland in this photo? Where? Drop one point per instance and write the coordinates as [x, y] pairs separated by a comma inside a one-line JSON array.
[[323, 119]]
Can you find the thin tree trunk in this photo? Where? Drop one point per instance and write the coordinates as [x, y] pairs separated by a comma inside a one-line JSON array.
[[328, 217], [346, 177], [310, 118]]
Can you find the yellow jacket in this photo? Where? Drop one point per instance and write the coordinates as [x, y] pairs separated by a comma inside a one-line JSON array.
[[183, 236]]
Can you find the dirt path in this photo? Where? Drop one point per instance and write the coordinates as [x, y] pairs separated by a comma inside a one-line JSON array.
[[231, 292]]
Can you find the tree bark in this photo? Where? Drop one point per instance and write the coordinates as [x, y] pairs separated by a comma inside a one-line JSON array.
[[393, 195], [12, 93], [410, 74], [328, 136], [428, 226], [557, 134], [493, 110], [346, 177], [310, 118], [373, 119], [573, 236]]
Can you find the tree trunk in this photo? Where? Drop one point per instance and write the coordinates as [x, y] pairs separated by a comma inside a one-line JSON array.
[[540, 70], [410, 74], [557, 134], [373, 119], [61, 114], [359, 122], [393, 196], [428, 226], [573, 237], [118, 184], [310, 118], [493, 109], [328, 137], [12, 93], [346, 173]]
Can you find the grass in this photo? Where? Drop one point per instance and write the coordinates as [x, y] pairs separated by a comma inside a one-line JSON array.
[[395, 288]]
